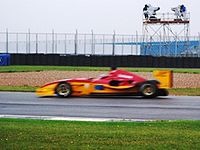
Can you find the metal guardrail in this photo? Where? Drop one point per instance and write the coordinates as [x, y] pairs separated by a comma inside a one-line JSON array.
[[86, 44], [69, 43]]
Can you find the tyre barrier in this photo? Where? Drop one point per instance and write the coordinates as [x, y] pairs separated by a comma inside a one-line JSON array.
[[105, 61]]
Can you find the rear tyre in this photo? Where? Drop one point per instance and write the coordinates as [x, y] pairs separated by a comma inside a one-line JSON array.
[[148, 90], [63, 89]]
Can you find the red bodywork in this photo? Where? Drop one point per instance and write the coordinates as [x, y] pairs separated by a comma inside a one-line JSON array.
[[125, 78]]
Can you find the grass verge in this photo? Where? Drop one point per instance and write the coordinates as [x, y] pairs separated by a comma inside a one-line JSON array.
[[76, 68], [175, 91], [18, 88], [40, 134], [185, 91]]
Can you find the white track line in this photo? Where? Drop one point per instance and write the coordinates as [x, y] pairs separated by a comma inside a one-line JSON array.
[[73, 118]]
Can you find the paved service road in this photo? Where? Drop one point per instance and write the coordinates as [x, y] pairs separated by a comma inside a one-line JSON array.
[[166, 108]]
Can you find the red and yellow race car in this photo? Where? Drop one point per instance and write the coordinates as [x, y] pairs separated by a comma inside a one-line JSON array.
[[117, 82]]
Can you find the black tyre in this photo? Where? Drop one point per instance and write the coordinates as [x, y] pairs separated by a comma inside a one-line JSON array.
[[148, 90], [63, 89]]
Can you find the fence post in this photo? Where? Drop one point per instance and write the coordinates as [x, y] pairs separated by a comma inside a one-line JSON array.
[[52, 41], [6, 40], [122, 44], [65, 43], [92, 43], [36, 43], [17, 44], [26, 43], [29, 41], [56, 42], [103, 44], [137, 42], [76, 42], [84, 44], [113, 49], [46, 43], [132, 42]]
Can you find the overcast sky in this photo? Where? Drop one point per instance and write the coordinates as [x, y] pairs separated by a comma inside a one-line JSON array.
[[103, 16]]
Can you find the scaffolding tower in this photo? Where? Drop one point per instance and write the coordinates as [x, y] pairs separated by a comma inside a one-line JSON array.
[[166, 35]]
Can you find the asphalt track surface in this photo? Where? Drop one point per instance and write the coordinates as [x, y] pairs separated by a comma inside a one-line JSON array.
[[164, 108]]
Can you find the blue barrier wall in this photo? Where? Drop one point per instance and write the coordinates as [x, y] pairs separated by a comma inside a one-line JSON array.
[[4, 59], [167, 48]]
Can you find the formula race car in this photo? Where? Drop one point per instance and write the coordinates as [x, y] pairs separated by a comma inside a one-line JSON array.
[[117, 82]]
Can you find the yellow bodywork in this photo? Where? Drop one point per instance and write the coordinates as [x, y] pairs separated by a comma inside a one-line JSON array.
[[83, 88], [80, 89], [48, 90], [114, 89], [77, 88], [165, 77]]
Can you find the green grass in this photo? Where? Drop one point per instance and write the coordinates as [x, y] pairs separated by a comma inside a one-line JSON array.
[[37, 134], [18, 88], [70, 68], [185, 91], [48, 68], [175, 91]]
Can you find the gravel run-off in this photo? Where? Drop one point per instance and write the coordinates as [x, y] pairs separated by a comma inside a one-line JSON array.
[[181, 80]]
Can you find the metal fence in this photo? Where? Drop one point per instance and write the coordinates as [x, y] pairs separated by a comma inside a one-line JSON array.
[[88, 44]]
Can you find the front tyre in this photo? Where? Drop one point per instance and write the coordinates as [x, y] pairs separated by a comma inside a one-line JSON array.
[[63, 89], [148, 90]]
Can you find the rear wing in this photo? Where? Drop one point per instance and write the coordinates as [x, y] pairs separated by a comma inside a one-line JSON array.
[[165, 77]]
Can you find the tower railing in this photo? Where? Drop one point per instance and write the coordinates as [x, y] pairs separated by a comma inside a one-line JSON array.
[[166, 18]]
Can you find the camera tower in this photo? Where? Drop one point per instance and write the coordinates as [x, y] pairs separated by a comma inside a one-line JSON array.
[[166, 35]]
